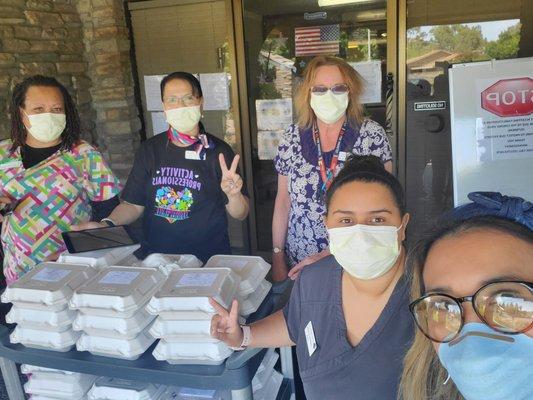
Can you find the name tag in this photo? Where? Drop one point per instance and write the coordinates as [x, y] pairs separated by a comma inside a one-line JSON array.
[[310, 338], [343, 156], [192, 155]]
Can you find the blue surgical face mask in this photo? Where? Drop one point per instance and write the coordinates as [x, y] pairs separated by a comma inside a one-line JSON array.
[[484, 366]]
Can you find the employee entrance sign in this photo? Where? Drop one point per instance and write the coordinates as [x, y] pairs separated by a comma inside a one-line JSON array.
[[491, 106], [509, 97]]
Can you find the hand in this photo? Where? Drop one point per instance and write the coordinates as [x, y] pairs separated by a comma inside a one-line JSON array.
[[225, 325], [231, 183], [87, 225], [4, 201], [279, 267], [295, 271]]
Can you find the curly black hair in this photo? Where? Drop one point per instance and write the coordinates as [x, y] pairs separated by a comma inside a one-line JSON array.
[[69, 137]]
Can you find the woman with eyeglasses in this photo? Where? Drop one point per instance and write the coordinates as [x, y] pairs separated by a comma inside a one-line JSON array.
[[473, 304], [348, 313], [183, 181], [330, 127]]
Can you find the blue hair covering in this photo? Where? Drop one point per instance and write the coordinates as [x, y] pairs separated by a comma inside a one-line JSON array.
[[495, 204]]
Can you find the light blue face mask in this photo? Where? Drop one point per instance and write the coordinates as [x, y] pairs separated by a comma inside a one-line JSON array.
[[485, 366]]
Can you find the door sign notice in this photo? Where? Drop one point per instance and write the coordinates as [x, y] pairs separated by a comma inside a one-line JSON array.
[[504, 128], [430, 105]]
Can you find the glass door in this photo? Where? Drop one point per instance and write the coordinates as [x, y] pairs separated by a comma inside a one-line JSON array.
[[439, 34], [275, 57]]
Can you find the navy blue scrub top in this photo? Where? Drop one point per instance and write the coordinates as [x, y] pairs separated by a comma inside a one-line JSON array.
[[336, 370]]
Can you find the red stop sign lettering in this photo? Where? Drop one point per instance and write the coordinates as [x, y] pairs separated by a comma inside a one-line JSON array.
[[509, 97]]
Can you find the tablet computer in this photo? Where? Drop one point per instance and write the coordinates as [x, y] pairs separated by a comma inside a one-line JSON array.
[[98, 239]]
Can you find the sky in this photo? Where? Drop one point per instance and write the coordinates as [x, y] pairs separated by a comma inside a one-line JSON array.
[[490, 30]]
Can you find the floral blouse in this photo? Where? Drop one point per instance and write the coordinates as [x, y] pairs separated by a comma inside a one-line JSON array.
[[298, 160], [51, 196]]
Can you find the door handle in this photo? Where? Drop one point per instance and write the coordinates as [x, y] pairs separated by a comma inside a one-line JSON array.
[[389, 94]]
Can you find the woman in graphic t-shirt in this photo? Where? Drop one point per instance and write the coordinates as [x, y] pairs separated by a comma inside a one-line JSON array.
[[183, 181]]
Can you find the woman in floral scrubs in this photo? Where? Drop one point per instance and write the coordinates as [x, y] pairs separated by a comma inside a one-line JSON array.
[[330, 127], [48, 175]]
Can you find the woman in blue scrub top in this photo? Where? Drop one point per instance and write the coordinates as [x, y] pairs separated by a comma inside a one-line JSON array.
[[348, 314]]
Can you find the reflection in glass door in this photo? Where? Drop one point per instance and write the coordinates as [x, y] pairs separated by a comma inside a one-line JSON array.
[[276, 55], [438, 35]]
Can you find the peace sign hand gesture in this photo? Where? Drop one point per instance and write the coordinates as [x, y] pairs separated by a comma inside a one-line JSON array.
[[231, 183], [225, 324]]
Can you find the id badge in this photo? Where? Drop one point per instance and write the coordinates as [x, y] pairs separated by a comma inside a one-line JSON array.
[[343, 155], [310, 338], [192, 155]]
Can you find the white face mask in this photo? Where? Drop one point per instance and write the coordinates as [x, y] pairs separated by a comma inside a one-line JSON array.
[[183, 119], [329, 107], [365, 251], [47, 127]]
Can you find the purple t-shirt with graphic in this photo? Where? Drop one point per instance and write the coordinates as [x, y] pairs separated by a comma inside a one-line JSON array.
[[184, 205]]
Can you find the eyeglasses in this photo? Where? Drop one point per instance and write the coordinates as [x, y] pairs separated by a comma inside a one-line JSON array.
[[505, 306], [320, 90], [188, 100]]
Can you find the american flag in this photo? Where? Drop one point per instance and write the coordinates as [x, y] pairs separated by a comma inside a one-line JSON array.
[[315, 40]]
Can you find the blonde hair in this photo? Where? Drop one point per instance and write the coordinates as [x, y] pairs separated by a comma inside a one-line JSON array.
[[352, 79]]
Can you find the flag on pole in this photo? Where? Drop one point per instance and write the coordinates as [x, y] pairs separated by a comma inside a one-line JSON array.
[[315, 40]]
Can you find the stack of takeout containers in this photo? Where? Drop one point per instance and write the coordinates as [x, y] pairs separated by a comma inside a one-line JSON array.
[[121, 389], [267, 381], [112, 314], [184, 315], [40, 305], [47, 383], [252, 270]]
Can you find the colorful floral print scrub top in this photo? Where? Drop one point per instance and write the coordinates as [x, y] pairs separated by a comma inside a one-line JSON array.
[[53, 195], [298, 160]]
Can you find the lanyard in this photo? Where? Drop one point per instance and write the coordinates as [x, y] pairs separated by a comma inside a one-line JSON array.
[[327, 175]]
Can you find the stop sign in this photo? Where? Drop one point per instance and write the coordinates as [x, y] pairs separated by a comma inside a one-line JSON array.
[[509, 97]]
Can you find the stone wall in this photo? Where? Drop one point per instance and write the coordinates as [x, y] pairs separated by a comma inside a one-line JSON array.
[[84, 44]]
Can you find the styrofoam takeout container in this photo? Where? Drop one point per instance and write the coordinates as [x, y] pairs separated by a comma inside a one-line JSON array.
[[31, 369], [166, 329], [40, 397], [117, 291], [122, 389], [56, 321], [251, 269], [271, 389], [156, 260], [253, 301], [183, 393], [45, 340], [190, 290], [48, 286], [59, 386], [128, 349], [112, 327], [265, 370], [99, 258], [213, 353]]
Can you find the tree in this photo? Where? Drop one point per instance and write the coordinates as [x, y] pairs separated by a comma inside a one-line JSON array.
[[458, 38], [507, 44], [418, 43]]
